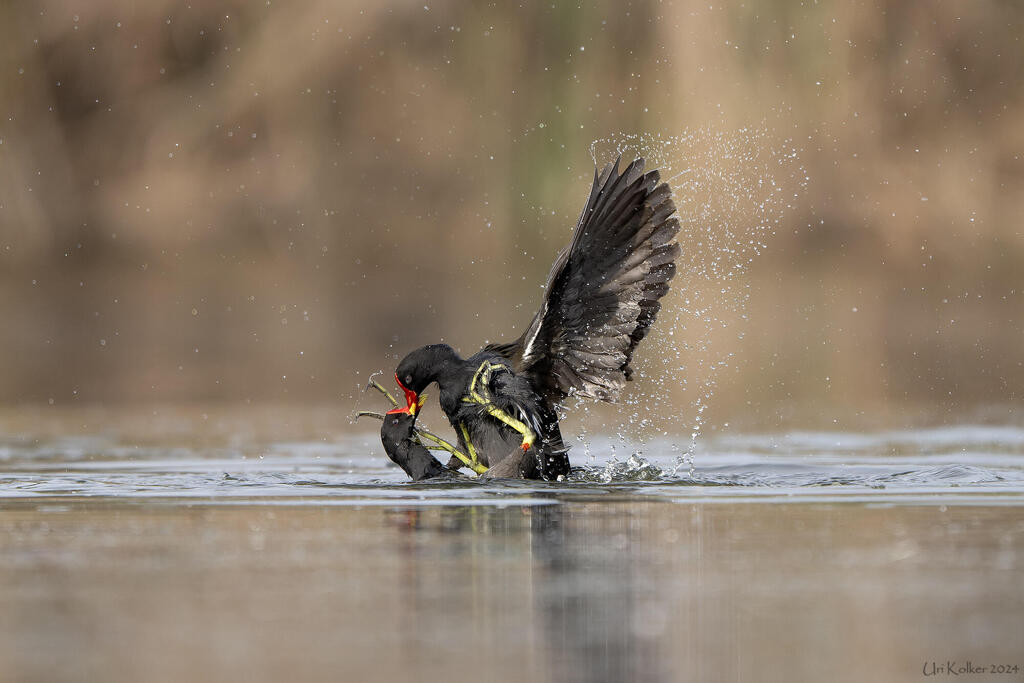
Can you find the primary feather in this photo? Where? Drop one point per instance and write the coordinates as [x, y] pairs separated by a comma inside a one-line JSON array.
[[604, 290]]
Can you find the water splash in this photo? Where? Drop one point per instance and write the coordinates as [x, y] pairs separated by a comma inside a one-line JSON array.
[[733, 191], [635, 468]]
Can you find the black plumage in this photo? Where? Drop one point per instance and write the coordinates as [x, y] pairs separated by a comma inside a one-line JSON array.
[[399, 439], [602, 296]]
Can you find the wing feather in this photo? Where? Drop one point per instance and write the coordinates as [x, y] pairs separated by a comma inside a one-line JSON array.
[[603, 290]]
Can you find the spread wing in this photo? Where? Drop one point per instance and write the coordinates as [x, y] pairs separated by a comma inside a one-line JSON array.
[[604, 288]]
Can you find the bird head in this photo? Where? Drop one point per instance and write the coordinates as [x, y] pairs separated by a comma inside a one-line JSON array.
[[421, 367]]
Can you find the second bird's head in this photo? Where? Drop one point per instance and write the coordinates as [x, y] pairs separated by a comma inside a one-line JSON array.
[[418, 369]]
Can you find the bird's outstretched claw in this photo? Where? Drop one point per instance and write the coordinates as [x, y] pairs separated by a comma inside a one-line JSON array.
[[374, 384]]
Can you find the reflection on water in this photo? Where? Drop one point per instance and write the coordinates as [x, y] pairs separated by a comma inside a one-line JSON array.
[[583, 591], [211, 549], [597, 620]]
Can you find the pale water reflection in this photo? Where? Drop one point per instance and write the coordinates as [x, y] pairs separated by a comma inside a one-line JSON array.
[[580, 591]]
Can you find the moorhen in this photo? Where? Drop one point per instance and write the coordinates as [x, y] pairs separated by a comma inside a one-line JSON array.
[[602, 296]]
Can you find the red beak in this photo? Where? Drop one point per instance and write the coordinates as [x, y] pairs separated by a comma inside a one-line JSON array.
[[413, 402]]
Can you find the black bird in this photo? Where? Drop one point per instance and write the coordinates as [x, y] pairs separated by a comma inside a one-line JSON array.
[[601, 298], [402, 446]]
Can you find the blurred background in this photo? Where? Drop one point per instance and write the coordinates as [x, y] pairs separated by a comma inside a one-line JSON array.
[[267, 202]]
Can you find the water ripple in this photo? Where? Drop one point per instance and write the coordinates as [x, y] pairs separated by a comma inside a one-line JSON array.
[[942, 465]]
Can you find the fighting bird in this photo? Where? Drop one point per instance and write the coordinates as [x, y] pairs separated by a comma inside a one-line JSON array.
[[399, 437], [602, 296]]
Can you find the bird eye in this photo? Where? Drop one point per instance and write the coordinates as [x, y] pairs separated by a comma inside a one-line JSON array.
[[408, 380]]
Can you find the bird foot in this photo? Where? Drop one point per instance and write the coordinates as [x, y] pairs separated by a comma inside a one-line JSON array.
[[374, 384]]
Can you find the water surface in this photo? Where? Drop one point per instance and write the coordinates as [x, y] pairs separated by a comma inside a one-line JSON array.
[[272, 546]]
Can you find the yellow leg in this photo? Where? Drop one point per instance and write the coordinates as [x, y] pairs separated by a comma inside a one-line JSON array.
[[483, 374], [469, 444], [471, 463]]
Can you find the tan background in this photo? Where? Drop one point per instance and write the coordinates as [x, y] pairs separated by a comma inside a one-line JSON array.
[[268, 201]]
